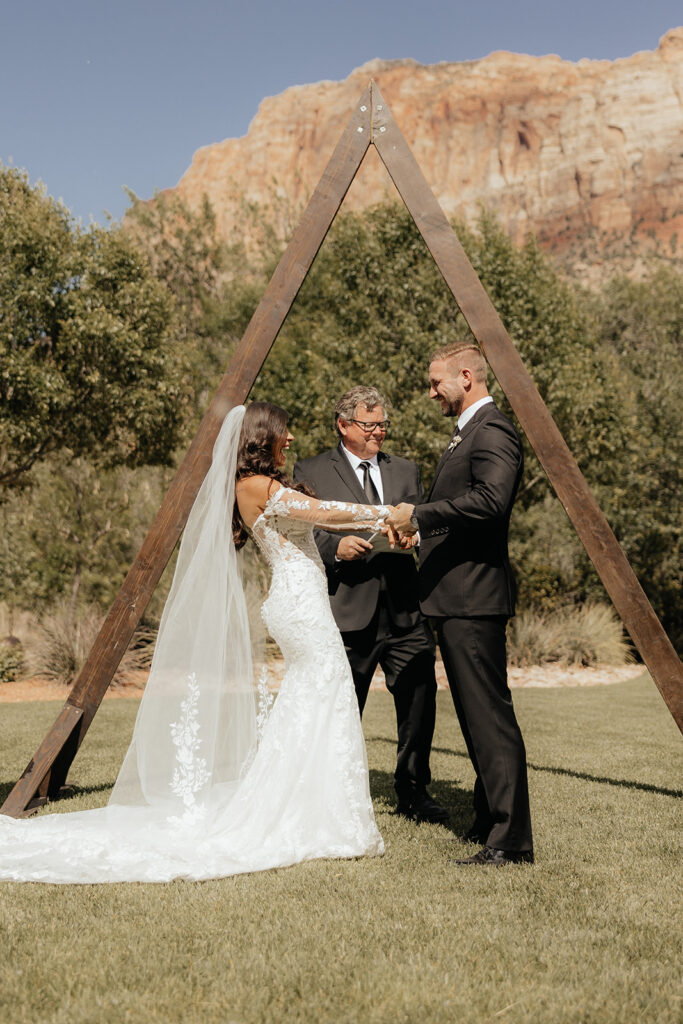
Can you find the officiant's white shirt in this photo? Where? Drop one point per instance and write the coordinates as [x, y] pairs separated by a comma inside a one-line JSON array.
[[375, 474]]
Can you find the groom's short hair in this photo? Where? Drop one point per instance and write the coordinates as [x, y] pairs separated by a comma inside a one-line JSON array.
[[461, 353], [345, 409]]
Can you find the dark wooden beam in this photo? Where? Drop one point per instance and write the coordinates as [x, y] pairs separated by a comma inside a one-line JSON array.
[[611, 563], [47, 769]]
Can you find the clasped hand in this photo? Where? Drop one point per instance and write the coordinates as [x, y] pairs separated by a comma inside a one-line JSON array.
[[398, 527]]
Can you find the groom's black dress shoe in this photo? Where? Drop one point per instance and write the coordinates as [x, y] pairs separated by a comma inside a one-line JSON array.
[[490, 856], [421, 807]]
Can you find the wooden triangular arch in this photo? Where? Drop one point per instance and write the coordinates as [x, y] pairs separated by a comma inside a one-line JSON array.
[[371, 124]]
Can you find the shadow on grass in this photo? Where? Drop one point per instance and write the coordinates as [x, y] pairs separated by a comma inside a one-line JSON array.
[[646, 787], [76, 790], [457, 801]]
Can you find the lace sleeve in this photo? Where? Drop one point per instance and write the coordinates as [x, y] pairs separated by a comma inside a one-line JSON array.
[[336, 516]]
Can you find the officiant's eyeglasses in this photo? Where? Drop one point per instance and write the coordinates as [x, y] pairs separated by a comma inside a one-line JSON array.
[[369, 427]]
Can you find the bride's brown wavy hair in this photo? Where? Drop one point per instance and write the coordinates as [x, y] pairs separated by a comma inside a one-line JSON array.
[[264, 429]]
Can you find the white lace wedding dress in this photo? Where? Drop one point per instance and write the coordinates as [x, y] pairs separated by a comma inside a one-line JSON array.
[[303, 791]]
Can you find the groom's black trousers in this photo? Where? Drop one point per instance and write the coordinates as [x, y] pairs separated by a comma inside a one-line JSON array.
[[407, 660], [474, 656]]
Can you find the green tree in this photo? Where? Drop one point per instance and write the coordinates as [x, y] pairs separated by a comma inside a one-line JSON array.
[[75, 533], [641, 326], [214, 283], [88, 355]]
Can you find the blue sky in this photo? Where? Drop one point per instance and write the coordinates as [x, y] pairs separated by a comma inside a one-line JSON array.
[[97, 95]]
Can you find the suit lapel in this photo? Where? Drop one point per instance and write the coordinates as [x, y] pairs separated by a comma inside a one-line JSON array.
[[439, 466], [478, 417], [385, 473], [343, 468]]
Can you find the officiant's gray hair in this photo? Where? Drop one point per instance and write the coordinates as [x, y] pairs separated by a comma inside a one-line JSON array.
[[345, 409], [463, 352]]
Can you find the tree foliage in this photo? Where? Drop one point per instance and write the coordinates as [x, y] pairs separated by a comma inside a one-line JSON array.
[[213, 283], [88, 355], [640, 324]]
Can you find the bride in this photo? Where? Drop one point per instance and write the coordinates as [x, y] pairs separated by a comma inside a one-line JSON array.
[[218, 780]]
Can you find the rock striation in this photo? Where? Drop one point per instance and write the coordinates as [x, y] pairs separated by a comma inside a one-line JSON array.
[[581, 151]]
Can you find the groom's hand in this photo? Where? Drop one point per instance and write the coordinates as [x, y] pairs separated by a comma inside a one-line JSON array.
[[399, 520], [351, 548]]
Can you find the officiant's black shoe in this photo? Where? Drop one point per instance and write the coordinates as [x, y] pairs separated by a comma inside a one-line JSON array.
[[421, 807], [492, 857], [405, 811], [426, 809]]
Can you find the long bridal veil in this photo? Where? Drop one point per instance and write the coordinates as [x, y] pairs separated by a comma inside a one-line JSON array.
[[196, 730], [196, 727]]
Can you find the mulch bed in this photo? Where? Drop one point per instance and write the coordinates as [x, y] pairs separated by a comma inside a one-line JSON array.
[[549, 675]]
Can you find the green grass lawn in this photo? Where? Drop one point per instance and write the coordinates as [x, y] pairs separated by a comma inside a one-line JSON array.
[[590, 933]]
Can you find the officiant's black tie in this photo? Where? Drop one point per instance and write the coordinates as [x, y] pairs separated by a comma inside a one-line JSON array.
[[368, 486], [372, 494]]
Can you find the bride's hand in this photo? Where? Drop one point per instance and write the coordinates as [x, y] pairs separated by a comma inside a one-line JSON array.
[[387, 528]]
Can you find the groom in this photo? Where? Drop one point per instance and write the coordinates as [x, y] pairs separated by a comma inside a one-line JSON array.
[[374, 594], [467, 588]]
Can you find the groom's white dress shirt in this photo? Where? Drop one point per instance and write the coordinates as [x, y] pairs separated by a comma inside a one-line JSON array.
[[467, 415]]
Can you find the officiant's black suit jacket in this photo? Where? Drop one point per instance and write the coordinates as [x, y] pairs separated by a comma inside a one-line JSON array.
[[354, 587], [464, 566]]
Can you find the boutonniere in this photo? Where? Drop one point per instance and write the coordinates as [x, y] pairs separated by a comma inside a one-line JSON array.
[[455, 442]]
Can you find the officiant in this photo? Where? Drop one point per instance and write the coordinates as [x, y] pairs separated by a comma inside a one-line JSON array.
[[373, 590]]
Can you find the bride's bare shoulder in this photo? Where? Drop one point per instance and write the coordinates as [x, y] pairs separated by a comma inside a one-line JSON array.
[[256, 487], [252, 493]]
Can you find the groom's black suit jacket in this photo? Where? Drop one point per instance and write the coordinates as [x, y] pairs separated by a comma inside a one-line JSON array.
[[354, 587], [464, 566], [467, 587]]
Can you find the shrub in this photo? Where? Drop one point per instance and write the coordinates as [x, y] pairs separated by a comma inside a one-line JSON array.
[[589, 634], [11, 659]]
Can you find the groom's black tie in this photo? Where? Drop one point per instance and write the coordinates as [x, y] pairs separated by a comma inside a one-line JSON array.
[[368, 486]]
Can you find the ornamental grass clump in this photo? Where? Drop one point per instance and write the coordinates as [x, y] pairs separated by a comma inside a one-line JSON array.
[[589, 635], [62, 642], [64, 638], [532, 639]]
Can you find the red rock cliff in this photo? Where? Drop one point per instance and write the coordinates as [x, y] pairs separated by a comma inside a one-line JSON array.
[[571, 151]]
